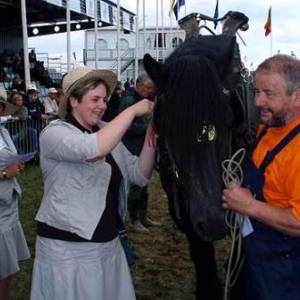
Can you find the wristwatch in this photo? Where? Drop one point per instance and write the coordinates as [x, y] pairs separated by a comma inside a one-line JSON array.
[[4, 174]]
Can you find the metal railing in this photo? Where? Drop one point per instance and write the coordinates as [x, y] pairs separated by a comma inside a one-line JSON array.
[[25, 134]]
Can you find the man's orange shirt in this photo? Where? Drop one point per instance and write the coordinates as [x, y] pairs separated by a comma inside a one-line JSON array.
[[282, 175]]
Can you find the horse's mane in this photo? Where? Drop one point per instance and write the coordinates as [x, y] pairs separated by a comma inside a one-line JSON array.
[[193, 97]]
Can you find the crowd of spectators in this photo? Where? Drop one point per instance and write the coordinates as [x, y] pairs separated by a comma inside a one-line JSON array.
[[38, 103], [40, 99], [12, 70]]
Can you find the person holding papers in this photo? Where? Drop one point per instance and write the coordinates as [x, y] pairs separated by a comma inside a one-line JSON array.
[[13, 247]]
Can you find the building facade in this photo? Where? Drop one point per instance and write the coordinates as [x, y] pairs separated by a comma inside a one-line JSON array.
[[158, 43]]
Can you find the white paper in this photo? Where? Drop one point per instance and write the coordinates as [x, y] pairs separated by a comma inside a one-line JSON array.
[[20, 157], [246, 223]]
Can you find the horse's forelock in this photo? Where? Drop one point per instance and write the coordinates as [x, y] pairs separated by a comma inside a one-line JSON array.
[[193, 97]]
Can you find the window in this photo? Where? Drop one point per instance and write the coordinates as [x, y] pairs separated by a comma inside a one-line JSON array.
[[102, 44], [124, 44], [161, 40]]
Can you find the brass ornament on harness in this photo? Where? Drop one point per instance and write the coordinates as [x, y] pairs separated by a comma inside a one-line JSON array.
[[207, 133]]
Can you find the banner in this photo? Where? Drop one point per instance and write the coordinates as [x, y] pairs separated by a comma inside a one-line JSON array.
[[90, 8], [126, 21], [114, 16], [75, 6], [55, 2], [104, 12]]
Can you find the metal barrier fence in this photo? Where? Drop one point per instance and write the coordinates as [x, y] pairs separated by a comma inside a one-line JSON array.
[[25, 134]]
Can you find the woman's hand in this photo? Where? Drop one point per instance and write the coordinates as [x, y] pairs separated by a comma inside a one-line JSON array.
[[143, 107], [151, 136], [14, 169]]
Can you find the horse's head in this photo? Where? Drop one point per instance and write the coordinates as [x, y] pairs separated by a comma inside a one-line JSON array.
[[194, 116]]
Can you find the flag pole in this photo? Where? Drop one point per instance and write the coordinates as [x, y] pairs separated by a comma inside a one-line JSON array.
[[162, 30], [156, 30], [171, 32], [137, 40], [177, 43], [268, 29], [25, 43], [271, 44], [96, 33], [68, 17], [118, 41], [271, 39], [144, 26]]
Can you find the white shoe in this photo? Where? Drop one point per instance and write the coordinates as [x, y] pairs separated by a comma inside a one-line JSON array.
[[138, 227], [149, 222]]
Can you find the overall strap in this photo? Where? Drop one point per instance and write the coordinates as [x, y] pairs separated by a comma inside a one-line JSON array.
[[272, 153], [260, 136]]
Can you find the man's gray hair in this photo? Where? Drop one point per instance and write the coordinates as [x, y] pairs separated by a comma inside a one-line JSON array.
[[286, 66]]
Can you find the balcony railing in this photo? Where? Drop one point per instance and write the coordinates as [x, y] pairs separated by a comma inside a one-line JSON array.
[[112, 54]]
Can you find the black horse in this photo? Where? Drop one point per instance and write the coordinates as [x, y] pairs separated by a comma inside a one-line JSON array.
[[201, 117]]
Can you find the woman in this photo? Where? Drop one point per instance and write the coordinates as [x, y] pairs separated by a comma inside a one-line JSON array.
[[13, 247], [21, 114], [86, 171]]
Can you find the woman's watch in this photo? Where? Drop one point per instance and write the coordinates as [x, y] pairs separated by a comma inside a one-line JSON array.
[[4, 174]]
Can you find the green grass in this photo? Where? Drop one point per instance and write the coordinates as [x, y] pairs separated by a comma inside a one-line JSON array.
[[32, 191]]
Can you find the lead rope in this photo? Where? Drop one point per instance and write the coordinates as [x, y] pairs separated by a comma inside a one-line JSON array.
[[232, 171]]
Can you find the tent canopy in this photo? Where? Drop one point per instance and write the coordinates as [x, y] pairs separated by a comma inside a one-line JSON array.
[[44, 15]]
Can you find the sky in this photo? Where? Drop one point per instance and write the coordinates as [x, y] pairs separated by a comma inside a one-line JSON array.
[[283, 39]]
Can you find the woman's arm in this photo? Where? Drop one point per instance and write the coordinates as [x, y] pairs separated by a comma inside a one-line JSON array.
[[147, 156], [109, 136]]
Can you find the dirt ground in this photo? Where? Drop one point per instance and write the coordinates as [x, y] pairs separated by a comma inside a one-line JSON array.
[[163, 270]]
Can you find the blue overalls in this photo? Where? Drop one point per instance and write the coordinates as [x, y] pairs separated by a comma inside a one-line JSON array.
[[272, 260]]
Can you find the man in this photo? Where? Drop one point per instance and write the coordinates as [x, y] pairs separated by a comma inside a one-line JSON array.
[[133, 140], [36, 110], [127, 84], [272, 177], [50, 104]]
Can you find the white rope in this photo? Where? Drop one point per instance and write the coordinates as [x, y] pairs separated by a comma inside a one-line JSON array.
[[232, 172]]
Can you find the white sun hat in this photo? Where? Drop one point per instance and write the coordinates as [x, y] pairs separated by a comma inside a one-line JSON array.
[[75, 76]]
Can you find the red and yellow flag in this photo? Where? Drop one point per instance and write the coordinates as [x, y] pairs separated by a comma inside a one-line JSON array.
[[268, 23]]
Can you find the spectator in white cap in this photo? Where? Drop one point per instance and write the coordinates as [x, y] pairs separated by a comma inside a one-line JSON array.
[[35, 107], [86, 170], [50, 104], [13, 247]]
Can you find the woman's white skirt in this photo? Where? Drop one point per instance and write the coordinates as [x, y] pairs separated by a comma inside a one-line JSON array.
[[79, 270], [13, 248]]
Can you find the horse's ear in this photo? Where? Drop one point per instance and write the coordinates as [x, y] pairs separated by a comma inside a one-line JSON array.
[[156, 71]]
